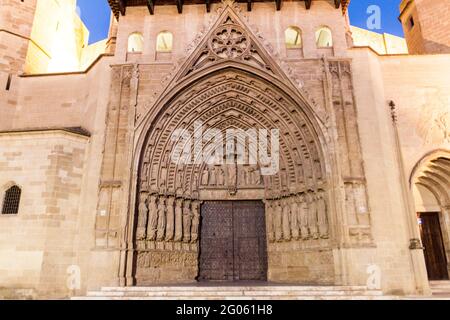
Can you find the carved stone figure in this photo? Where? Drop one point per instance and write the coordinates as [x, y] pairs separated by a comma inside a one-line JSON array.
[[286, 219], [178, 220], [195, 221], [243, 181], [163, 177], [322, 215], [213, 177], [145, 171], [232, 175], [142, 217], [283, 178], [153, 219], [269, 222], [278, 220], [249, 177], [205, 177], [187, 221], [294, 218], [220, 176], [303, 217], [179, 179], [312, 218], [170, 214], [256, 177], [161, 219]]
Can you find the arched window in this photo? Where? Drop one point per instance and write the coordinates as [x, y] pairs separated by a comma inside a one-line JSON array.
[[135, 42], [164, 42], [324, 38], [293, 38], [11, 200]]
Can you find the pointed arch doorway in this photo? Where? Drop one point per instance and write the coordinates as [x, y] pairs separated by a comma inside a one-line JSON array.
[[175, 224], [233, 85], [430, 182]]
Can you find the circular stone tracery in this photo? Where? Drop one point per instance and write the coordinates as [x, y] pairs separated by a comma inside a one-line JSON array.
[[229, 41]]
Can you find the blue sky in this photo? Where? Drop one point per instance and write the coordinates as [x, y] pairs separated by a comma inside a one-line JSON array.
[[96, 15]]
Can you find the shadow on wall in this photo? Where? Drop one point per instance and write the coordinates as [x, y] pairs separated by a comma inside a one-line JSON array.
[[435, 47]]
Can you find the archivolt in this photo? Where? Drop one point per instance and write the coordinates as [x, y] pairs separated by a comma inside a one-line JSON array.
[[232, 98], [433, 172]]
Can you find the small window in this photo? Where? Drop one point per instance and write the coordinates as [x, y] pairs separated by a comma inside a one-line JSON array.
[[293, 38], [164, 42], [411, 23], [136, 42], [324, 38], [11, 200]]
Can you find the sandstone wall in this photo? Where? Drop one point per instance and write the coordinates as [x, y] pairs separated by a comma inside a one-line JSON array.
[[115, 93], [38, 244], [65, 100], [59, 176], [16, 19], [430, 33]]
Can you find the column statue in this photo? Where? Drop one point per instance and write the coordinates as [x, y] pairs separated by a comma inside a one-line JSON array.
[[322, 215], [303, 216], [312, 216], [278, 222], [153, 219], [195, 221], [187, 221], [269, 222], [294, 218], [178, 220], [286, 219], [142, 217], [161, 219], [170, 213]]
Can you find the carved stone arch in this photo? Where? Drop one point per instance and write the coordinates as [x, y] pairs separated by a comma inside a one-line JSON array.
[[433, 172], [229, 90], [229, 96]]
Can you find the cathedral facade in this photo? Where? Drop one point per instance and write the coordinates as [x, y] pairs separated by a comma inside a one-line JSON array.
[[358, 140]]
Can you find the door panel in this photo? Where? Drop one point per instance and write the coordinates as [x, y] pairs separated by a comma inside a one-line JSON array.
[[250, 240], [434, 252], [233, 241], [216, 259]]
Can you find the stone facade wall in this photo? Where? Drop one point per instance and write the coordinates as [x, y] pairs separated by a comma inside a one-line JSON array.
[[269, 22], [33, 102], [83, 186], [423, 113], [382, 43], [38, 245], [16, 20]]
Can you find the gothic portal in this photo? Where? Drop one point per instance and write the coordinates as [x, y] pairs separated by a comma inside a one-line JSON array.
[[230, 83]]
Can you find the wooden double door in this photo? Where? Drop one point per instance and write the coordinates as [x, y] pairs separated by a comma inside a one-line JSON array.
[[233, 245], [435, 257]]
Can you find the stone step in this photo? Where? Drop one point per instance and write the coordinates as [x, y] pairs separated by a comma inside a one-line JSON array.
[[440, 288], [242, 292], [221, 293], [440, 284], [363, 297], [232, 288]]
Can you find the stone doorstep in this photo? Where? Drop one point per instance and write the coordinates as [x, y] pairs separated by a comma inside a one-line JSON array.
[[440, 284], [440, 288]]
